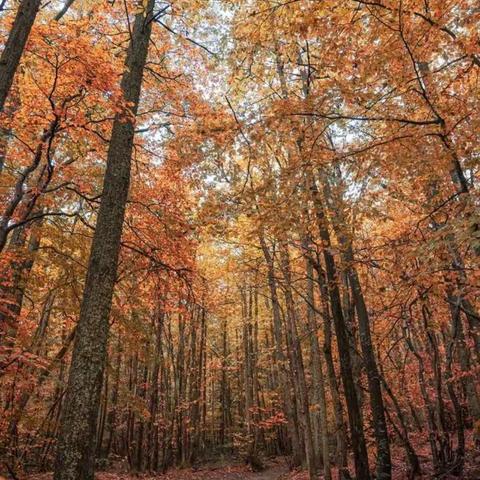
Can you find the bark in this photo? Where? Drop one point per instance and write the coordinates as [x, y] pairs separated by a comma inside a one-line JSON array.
[[15, 45], [348, 305], [76, 443], [103, 414], [111, 420]]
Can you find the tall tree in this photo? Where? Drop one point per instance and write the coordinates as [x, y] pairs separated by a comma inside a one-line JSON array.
[[384, 464], [75, 457]]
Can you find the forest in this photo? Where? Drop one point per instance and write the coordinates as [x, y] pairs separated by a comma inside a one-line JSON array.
[[240, 239]]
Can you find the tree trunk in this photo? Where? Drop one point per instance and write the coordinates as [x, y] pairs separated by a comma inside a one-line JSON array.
[[17, 39], [75, 450], [248, 372], [354, 415], [281, 361], [298, 364], [111, 419], [341, 436], [384, 464], [316, 366]]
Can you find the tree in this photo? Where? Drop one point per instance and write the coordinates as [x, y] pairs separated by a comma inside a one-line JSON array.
[[75, 451]]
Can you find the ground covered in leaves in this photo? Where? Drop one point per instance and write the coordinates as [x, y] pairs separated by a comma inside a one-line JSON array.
[[232, 468], [277, 469]]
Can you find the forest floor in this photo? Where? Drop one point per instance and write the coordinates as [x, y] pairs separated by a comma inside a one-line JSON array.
[[274, 470], [277, 469]]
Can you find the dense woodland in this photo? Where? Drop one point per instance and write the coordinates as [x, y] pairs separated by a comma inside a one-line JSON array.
[[240, 230]]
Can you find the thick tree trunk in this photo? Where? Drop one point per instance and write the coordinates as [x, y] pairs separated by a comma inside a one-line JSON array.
[[17, 39], [75, 450]]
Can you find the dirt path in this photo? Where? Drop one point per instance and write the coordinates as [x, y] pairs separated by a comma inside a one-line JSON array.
[[274, 471]]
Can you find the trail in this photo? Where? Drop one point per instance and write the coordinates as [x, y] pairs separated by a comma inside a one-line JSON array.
[[273, 471]]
